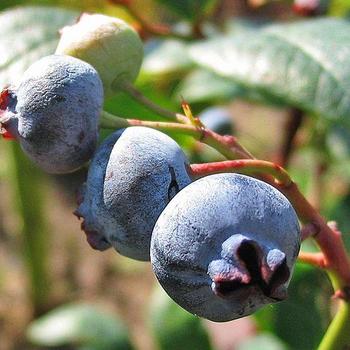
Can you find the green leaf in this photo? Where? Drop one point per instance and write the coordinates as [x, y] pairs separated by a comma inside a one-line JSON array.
[[301, 320], [304, 64], [86, 5], [195, 88], [79, 324], [189, 9], [237, 25], [174, 328], [165, 57], [27, 34]]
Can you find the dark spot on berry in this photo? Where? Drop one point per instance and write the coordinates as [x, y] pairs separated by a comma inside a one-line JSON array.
[[109, 175], [59, 98], [81, 136]]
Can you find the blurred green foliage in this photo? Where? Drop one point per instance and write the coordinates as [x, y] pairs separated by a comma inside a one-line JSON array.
[[304, 64], [81, 325], [301, 320], [190, 9], [174, 328]]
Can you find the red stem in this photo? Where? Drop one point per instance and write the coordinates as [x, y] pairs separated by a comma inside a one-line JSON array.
[[315, 259], [244, 166]]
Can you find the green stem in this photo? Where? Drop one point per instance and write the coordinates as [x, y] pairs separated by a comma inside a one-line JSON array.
[[337, 336], [138, 96], [226, 145], [27, 185]]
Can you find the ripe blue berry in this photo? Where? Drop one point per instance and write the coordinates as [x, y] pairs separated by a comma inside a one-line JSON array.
[[225, 246], [131, 179], [54, 112]]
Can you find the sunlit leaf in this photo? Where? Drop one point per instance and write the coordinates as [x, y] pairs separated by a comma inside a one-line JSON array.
[[202, 85], [164, 57], [27, 34], [86, 5], [305, 64]]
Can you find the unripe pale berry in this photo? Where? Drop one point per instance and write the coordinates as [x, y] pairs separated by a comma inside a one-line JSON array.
[[54, 112], [225, 246], [132, 177], [109, 44]]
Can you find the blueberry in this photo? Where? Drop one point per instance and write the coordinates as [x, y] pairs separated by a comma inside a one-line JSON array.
[[54, 112], [217, 119], [131, 179], [225, 246]]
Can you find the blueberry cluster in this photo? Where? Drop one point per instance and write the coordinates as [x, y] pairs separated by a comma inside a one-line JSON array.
[[221, 246]]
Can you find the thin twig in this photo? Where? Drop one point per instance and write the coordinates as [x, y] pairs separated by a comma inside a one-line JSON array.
[[315, 259], [226, 145], [141, 98]]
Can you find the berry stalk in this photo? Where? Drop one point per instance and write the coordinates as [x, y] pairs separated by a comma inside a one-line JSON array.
[[338, 333], [138, 96], [244, 166], [315, 259], [227, 145]]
